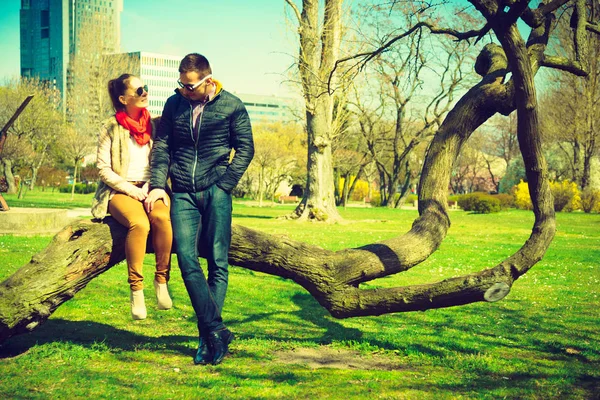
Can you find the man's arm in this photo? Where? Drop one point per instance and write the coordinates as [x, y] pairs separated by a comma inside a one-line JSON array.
[[160, 158], [241, 140]]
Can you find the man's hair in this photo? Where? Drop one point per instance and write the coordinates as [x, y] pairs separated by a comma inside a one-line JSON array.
[[195, 62]]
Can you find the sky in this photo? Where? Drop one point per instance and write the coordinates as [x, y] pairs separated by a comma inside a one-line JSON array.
[[249, 43]]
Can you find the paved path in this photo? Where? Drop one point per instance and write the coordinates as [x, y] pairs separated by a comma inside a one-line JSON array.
[[38, 221]]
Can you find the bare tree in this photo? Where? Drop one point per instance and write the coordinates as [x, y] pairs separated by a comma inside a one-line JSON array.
[[90, 69], [472, 170], [73, 147], [498, 142], [35, 131], [85, 249], [416, 84], [575, 126], [319, 48], [350, 158], [278, 156]]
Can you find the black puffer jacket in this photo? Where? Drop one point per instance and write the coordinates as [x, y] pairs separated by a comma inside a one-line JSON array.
[[195, 165]]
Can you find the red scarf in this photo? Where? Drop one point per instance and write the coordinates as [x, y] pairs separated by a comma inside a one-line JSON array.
[[140, 130]]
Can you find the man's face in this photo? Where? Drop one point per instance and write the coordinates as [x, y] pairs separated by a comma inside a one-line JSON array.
[[194, 87]]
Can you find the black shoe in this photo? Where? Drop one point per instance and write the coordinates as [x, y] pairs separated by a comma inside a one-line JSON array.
[[203, 355], [218, 343]]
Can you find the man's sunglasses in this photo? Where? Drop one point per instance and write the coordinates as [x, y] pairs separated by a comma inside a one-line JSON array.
[[140, 91], [193, 87]]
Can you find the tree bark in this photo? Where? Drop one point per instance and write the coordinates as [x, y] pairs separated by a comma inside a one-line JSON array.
[[317, 56], [10, 179], [74, 182]]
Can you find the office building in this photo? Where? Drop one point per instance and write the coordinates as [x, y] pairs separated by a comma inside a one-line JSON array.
[[268, 109], [160, 72], [52, 31]]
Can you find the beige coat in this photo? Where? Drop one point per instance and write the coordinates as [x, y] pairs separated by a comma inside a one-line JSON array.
[[113, 164]]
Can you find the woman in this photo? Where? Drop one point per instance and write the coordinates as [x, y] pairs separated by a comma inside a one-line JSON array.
[[124, 167]]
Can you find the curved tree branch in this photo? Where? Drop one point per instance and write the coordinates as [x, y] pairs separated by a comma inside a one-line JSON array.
[[564, 64], [365, 57], [295, 9], [535, 18]]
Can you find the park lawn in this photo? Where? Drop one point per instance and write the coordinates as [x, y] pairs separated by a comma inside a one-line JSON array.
[[542, 341], [48, 198]]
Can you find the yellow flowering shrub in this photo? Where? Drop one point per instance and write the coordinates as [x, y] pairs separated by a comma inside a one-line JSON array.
[[361, 189], [590, 200], [522, 198], [567, 196]]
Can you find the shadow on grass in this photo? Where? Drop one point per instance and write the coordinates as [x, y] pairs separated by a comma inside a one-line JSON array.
[[310, 312], [234, 215], [88, 334], [522, 332]]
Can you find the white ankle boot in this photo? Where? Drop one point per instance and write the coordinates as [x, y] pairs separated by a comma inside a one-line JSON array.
[[162, 296], [138, 306]]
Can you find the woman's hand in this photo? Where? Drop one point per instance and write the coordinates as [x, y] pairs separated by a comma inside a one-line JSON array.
[[138, 193]]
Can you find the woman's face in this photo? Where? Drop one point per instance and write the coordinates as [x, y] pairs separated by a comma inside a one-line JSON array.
[[136, 94]]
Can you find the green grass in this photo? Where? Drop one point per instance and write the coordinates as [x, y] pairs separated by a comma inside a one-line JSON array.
[[49, 199], [541, 342]]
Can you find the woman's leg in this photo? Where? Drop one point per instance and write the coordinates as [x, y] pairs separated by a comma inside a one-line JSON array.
[[131, 214], [162, 240]]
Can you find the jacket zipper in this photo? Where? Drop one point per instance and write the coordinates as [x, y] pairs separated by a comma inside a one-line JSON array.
[[195, 140]]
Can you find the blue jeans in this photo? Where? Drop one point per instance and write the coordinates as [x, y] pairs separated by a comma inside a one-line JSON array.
[[203, 220]]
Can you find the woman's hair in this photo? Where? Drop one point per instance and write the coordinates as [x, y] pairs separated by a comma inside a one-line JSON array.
[[116, 88], [195, 62]]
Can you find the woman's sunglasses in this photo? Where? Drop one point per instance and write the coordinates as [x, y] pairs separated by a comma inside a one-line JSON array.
[[140, 91]]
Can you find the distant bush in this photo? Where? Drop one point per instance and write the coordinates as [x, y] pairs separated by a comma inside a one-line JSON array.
[[478, 202], [467, 201], [361, 190], [80, 188], [521, 196], [506, 200], [566, 196], [487, 204], [590, 200], [376, 199], [410, 199]]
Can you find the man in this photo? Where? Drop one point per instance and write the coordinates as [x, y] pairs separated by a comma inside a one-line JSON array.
[[200, 125]]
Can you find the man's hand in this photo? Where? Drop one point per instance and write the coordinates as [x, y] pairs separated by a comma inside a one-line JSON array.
[[155, 194]]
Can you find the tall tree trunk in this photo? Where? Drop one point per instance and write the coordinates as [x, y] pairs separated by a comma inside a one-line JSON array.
[[261, 183], [10, 179], [36, 167], [74, 182], [317, 57], [590, 146], [319, 197]]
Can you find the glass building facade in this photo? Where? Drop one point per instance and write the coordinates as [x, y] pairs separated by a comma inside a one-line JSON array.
[[50, 33]]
